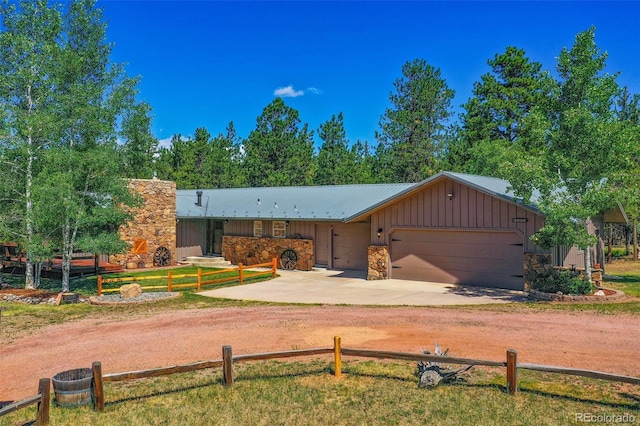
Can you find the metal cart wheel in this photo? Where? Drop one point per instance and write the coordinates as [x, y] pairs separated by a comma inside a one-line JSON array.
[[162, 257], [288, 259]]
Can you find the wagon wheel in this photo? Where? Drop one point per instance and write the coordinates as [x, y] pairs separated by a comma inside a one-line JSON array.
[[162, 257], [288, 259]]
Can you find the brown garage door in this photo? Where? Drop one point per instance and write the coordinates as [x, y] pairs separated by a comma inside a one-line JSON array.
[[489, 259], [350, 242]]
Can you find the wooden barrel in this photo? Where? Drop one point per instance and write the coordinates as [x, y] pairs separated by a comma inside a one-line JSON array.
[[73, 387], [70, 297]]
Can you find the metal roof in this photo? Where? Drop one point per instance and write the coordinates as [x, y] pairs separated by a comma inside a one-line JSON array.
[[495, 186], [331, 203]]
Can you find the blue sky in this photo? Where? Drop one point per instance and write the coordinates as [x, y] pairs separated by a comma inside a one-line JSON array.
[[205, 63]]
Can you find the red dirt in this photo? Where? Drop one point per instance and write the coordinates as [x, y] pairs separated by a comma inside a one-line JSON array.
[[22, 292], [571, 339]]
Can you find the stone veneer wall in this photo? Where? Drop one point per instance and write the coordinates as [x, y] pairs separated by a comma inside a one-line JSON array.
[[378, 263], [154, 221], [535, 263], [254, 250]]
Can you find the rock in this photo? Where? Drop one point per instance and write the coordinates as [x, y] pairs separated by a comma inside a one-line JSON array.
[[129, 291], [599, 293]]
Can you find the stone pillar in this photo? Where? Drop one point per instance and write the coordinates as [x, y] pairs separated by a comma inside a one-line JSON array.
[[153, 228], [378, 263], [535, 263]]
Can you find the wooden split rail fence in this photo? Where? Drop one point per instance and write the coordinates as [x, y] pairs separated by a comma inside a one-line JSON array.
[[43, 399], [228, 359], [202, 278]]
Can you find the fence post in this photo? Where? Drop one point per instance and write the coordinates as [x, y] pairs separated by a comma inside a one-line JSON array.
[[337, 356], [239, 272], [274, 267], [169, 282], [512, 371], [199, 278], [44, 389], [227, 365], [99, 285], [98, 387]]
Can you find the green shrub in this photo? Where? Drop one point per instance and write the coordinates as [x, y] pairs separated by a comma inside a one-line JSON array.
[[563, 280]]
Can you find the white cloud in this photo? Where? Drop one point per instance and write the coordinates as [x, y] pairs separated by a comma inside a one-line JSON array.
[[165, 143], [314, 90], [288, 92]]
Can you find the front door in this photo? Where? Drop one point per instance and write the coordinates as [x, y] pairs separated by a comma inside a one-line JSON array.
[[218, 232], [322, 243]]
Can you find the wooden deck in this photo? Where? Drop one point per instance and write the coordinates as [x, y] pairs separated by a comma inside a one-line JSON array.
[[84, 265]]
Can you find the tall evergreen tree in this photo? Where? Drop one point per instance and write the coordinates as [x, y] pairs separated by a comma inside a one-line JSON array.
[[279, 152], [363, 163], [506, 102], [411, 130], [224, 164], [193, 172], [335, 160], [140, 146]]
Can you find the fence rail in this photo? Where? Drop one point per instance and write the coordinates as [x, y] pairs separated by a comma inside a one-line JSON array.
[[42, 399], [228, 360], [419, 357], [583, 373], [243, 272]]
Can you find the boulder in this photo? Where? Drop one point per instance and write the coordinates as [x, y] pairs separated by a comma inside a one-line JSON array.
[[129, 291]]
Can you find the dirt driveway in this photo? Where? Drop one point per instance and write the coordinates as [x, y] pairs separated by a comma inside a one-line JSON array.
[[572, 339]]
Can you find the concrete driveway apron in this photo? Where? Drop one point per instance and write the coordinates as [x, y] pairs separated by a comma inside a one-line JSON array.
[[322, 286]]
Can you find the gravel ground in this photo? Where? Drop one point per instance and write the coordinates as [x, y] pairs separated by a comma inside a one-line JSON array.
[[116, 299]]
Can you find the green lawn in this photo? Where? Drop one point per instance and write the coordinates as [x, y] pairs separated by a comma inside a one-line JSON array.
[[369, 393]]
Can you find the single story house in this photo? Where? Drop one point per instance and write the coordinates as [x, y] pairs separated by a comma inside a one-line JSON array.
[[451, 228]]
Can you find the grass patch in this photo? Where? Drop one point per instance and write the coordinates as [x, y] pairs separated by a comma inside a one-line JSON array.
[[88, 286], [20, 319], [371, 392], [625, 276]]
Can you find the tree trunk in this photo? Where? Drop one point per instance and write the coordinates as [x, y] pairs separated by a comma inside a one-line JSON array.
[[67, 250], [627, 241], [635, 240], [610, 245], [37, 269], [587, 263], [29, 282]]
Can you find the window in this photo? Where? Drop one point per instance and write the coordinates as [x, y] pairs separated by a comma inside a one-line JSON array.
[[279, 229], [257, 228]]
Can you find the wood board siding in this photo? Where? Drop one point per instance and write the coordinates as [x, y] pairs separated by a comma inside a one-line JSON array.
[[192, 233], [244, 228], [469, 209], [484, 258], [573, 256]]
